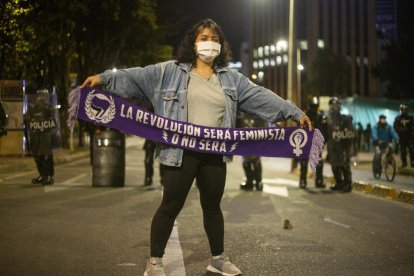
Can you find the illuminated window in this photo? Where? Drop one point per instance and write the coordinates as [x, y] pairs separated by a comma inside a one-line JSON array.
[[278, 60], [266, 50], [260, 52], [321, 43]]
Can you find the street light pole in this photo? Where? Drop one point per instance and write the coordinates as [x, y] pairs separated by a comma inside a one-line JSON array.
[[291, 51], [299, 78]]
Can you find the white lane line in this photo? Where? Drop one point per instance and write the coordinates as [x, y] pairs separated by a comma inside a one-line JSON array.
[[65, 184], [127, 264], [19, 174], [329, 220], [73, 179], [280, 191], [173, 258], [281, 181]]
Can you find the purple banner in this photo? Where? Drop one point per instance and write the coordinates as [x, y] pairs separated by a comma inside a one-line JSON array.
[[103, 108]]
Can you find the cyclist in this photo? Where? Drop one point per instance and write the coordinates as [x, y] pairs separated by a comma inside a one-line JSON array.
[[382, 136]]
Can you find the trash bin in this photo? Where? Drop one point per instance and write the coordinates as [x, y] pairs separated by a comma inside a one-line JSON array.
[[108, 159]]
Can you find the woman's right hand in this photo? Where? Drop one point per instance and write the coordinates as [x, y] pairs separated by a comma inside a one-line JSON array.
[[92, 81]]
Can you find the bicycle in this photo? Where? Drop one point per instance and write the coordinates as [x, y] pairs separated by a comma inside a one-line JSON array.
[[385, 162]]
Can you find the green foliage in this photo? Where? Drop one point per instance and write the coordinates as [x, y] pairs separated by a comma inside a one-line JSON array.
[[42, 41], [396, 69], [330, 75]]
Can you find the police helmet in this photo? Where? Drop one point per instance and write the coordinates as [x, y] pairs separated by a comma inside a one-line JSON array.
[[403, 109], [314, 103], [334, 104]]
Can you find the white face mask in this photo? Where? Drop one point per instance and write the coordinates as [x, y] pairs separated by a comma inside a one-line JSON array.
[[207, 51]]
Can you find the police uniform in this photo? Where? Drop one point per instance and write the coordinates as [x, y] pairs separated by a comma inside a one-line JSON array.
[[252, 165], [149, 147], [340, 135], [318, 120], [404, 125], [41, 127]]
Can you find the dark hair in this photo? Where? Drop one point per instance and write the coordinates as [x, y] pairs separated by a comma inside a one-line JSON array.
[[186, 53]]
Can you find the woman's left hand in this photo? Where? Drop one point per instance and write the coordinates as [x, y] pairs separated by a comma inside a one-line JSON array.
[[305, 121]]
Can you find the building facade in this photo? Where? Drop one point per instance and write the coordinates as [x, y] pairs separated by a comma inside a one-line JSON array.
[[335, 44]]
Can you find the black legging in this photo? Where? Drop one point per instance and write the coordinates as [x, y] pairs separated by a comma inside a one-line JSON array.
[[210, 172]]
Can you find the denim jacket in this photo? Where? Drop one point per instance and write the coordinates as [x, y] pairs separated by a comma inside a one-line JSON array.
[[165, 86]]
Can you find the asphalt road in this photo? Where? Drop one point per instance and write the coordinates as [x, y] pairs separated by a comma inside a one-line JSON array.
[[72, 228]]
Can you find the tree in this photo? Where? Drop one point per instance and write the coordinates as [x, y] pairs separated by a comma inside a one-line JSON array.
[[330, 77], [42, 41], [396, 69]]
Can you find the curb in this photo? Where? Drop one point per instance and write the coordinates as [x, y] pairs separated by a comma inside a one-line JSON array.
[[406, 196], [383, 191]]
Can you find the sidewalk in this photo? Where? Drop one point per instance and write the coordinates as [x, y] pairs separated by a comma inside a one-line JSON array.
[[13, 164], [367, 157]]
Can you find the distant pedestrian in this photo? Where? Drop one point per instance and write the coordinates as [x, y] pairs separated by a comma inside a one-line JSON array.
[[198, 88], [42, 127], [3, 120], [367, 138], [404, 125], [359, 137]]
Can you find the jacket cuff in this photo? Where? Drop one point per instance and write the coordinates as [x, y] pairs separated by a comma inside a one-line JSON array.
[[298, 115]]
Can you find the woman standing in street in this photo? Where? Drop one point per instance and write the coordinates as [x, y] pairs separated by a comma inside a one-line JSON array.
[[197, 88]]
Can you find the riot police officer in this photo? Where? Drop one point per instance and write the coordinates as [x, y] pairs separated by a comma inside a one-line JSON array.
[[340, 134], [404, 125], [252, 165], [318, 120], [41, 127]]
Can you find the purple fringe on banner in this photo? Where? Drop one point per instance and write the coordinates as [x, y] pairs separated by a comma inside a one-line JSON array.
[[73, 100], [316, 150]]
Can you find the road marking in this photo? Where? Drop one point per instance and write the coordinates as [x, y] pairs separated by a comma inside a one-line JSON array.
[[281, 181], [329, 220], [18, 175], [280, 191], [127, 264], [173, 258], [65, 184]]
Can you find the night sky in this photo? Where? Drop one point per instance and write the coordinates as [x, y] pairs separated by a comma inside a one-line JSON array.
[[227, 13]]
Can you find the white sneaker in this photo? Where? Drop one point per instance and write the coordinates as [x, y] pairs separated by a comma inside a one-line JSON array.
[[222, 265], [154, 267]]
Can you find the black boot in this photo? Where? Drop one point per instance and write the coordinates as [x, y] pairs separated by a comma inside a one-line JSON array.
[[257, 165], [302, 184], [339, 183], [319, 175], [319, 183], [259, 186], [148, 181], [347, 180], [246, 185], [47, 180], [37, 180]]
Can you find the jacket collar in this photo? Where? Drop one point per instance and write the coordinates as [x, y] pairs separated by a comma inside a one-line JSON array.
[[187, 67]]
